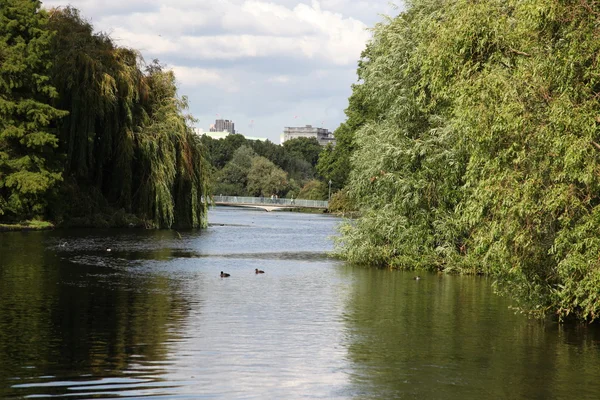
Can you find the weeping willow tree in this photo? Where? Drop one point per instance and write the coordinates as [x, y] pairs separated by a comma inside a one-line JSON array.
[[170, 157], [127, 140], [529, 105], [408, 167], [483, 155]]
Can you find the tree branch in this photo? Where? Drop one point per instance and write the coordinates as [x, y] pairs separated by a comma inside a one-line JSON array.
[[596, 145], [588, 7], [521, 53]]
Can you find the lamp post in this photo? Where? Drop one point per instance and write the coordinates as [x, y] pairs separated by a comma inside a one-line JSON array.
[[329, 190]]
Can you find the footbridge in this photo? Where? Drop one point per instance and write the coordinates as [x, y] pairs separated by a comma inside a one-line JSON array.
[[268, 204]]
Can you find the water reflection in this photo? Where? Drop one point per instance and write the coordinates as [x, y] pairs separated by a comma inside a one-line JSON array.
[[450, 337], [153, 318], [83, 318]]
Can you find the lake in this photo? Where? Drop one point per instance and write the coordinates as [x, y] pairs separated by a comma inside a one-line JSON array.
[[153, 318]]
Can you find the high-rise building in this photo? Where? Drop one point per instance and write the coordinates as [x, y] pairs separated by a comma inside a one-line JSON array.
[[222, 125], [322, 135]]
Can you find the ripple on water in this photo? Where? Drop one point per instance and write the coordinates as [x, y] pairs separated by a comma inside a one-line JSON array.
[[153, 318]]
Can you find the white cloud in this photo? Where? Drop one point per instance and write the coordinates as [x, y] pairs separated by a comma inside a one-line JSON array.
[[252, 29], [247, 59], [198, 77], [279, 79]]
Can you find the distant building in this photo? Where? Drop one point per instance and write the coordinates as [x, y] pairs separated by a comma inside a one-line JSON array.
[[222, 125], [262, 139], [322, 135], [216, 135], [224, 134]]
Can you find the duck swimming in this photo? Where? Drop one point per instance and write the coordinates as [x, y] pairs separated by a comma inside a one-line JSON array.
[[416, 278], [224, 275], [258, 271]]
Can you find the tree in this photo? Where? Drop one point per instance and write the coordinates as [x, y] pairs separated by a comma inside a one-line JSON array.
[[482, 154], [299, 169], [169, 158], [220, 151], [127, 141], [28, 167], [314, 190], [334, 161], [271, 151], [265, 178], [307, 149], [233, 178]]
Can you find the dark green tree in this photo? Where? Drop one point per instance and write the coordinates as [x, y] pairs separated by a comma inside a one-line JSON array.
[[220, 151], [233, 178], [28, 167], [307, 149], [334, 161], [266, 179], [127, 140], [271, 151]]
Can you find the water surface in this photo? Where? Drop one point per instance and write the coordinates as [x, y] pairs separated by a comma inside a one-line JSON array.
[[152, 318]]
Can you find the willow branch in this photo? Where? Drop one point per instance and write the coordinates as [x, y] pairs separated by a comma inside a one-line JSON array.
[[596, 145], [521, 53], [588, 7]]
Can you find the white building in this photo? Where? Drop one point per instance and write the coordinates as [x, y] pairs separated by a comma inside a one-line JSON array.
[[322, 135], [224, 134], [216, 135]]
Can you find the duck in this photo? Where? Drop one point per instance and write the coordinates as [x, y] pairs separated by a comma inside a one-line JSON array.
[[416, 278], [224, 275], [258, 271]]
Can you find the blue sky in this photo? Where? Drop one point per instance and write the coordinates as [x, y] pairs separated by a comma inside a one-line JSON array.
[[263, 64]]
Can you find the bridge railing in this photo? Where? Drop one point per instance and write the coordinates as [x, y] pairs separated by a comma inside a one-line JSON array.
[[267, 201]]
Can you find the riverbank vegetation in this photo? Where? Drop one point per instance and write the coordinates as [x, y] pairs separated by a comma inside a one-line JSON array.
[[473, 136], [33, 225], [243, 167], [91, 135]]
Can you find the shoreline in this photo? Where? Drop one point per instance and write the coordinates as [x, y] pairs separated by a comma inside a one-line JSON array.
[[27, 226]]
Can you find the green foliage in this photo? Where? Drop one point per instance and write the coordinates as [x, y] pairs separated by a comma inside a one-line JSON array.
[[271, 151], [233, 178], [307, 149], [297, 158], [334, 161], [220, 151], [31, 225], [28, 168], [314, 190], [299, 169], [478, 151], [248, 173], [127, 136], [266, 179], [408, 170], [341, 203]]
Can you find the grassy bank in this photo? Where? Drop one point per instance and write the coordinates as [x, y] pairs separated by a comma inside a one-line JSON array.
[[32, 225]]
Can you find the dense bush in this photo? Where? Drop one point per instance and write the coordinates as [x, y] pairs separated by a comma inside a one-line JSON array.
[[341, 203], [479, 151], [313, 190]]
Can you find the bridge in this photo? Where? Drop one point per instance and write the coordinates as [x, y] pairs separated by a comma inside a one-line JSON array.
[[268, 204]]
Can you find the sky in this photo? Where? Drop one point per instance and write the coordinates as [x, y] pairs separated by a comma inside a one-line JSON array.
[[265, 64]]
